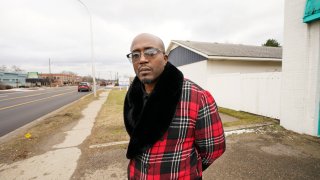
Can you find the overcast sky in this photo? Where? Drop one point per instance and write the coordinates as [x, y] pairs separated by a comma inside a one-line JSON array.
[[32, 31]]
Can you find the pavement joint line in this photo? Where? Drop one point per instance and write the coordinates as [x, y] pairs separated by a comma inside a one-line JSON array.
[[228, 132], [108, 144], [253, 126]]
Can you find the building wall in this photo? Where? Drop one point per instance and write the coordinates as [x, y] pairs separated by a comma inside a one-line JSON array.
[[240, 85], [231, 66], [182, 56], [13, 79], [257, 93], [196, 72], [62, 79], [300, 71]]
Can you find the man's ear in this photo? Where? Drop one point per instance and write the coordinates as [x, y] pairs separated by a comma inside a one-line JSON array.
[[165, 57]]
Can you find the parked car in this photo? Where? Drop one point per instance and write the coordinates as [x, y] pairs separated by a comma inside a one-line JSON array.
[[84, 86], [103, 83]]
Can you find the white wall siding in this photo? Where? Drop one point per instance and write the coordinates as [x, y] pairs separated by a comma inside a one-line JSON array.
[[247, 86], [257, 93], [226, 90], [232, 66], [261, 94], [196, 72]]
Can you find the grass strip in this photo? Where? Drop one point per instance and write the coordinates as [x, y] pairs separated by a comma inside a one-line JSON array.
[[109, 125], [244, 118]]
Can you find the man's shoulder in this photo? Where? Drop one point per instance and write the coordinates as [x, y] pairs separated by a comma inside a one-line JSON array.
[[190, 85]]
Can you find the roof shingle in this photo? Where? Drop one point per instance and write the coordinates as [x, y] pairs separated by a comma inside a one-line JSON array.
[[233, 50]]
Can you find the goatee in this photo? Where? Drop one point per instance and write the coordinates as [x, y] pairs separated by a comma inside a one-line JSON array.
[[147, 81]]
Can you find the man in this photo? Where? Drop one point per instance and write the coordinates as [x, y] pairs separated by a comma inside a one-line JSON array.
[[174, 126]]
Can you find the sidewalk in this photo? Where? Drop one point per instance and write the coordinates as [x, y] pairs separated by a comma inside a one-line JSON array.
[[264, 151]]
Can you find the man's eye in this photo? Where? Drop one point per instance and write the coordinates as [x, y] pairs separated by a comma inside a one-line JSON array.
[[150, 52], [135, 55]]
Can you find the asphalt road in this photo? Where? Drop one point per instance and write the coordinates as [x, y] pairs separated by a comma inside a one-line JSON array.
[[18, 108]]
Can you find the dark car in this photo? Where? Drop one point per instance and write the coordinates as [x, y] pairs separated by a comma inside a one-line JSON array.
[[84, 86]]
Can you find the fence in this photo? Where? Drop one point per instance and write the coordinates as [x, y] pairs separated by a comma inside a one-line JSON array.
[[257, 93]]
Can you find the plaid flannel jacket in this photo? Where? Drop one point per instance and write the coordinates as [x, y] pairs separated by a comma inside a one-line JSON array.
[[193, 141]]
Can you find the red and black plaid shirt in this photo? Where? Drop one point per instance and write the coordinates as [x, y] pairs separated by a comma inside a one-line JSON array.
[[193, 141]]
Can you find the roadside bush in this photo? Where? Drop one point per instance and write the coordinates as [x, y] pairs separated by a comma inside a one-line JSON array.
[[3, 86], [8, 87]]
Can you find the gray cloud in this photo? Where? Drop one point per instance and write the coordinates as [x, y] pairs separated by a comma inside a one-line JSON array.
[[35, 30]]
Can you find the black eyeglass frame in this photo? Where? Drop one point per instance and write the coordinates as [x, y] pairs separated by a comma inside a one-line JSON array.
[[129, 56]]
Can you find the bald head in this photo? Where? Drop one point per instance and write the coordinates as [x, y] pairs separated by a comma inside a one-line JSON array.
[[148, 67], [152, 39]]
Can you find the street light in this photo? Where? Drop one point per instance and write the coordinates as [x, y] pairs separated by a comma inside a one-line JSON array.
[[92, 53]]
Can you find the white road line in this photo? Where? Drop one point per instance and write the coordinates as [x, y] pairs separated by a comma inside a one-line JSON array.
[[30, 95], [8, 107]]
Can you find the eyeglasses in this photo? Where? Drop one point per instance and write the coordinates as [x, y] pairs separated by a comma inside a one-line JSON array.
[[147, 53]]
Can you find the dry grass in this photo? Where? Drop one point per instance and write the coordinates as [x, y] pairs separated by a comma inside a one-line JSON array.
[[21, 147]]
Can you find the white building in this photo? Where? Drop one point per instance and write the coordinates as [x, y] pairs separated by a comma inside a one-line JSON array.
[[300, 69], [240, 77]]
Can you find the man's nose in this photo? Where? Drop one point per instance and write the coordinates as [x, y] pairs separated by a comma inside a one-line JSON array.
[[143, 59]]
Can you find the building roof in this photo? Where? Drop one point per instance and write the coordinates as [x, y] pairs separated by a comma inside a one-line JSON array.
[[33, 75], [233, 51]]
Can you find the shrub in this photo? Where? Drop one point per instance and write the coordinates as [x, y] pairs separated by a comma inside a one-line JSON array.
[[2, 86], [8, 87]]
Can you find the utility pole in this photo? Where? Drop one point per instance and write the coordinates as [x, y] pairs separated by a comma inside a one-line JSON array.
[[50, 72], [92, 49]]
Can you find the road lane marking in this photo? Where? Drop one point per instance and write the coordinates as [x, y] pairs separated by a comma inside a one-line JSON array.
[[35, 90], [28, 96], [8, 107]]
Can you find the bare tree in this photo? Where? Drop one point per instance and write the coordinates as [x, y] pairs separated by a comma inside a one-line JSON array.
[[3, 68], [15, 68], [68, 72]]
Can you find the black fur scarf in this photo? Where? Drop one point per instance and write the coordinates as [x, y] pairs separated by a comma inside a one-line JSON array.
[[147, 125]]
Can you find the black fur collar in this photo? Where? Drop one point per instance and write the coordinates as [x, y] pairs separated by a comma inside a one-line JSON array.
[[146, 126]]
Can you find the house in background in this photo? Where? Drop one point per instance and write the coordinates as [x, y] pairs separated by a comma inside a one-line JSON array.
[[240, 77]]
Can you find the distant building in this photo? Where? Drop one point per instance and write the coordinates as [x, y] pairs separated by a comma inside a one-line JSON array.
[[61, 79], [13, 79], [34, 80]]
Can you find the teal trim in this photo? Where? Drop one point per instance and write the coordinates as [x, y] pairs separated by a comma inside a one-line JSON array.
[[311, 18], [312, 11]]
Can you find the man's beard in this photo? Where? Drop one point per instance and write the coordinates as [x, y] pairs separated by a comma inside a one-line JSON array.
[[147, 81]]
